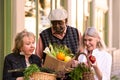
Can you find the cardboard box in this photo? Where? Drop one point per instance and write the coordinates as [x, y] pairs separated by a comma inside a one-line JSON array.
[[54, 64]]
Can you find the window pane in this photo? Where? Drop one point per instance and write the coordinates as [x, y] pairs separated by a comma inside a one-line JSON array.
[[44, 9]]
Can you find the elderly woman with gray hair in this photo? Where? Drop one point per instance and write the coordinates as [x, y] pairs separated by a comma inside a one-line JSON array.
[[93, 45]]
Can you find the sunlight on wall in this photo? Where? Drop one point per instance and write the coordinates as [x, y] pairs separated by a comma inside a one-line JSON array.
[[80, 15], [30, 24]]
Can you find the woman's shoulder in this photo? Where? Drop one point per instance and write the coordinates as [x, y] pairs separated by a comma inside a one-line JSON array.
[[10, 55], [104, 53]]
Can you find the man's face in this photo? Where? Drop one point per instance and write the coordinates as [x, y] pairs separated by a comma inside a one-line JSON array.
[[58, 26]]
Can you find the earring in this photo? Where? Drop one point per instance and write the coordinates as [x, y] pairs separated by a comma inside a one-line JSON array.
[[21, 53]]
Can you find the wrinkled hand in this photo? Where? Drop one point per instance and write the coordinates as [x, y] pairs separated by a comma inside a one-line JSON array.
[[75, 63], [94, 65]]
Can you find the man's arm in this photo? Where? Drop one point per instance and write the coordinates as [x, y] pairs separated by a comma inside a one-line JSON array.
[[39, 48]]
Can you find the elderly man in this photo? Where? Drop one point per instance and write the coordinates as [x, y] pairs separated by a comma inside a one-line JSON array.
[[59, 33]]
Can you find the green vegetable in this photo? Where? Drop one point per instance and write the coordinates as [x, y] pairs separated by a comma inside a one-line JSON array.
[[77, 72], [56, 48], [52, 49], [30, 70]]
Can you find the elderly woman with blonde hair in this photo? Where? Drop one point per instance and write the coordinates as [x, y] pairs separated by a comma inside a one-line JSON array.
[[21, 57]]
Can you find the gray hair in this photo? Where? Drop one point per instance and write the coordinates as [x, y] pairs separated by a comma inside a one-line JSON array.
[[91, 31]]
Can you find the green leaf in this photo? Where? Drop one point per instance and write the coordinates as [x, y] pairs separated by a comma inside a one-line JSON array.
[[77, 72], [30, 70]]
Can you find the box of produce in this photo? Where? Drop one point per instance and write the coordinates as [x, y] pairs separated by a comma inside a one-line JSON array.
[[58, 57]]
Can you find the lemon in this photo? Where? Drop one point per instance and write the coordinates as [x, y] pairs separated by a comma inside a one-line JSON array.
[[67, 58]]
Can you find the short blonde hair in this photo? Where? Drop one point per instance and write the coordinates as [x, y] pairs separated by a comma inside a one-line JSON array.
[[19, 40]]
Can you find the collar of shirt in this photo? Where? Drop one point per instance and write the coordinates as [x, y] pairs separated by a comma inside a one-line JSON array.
[[60, 36]]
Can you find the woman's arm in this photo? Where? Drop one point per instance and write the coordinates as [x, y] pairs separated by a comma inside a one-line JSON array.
[[97, 71], [7, 75]]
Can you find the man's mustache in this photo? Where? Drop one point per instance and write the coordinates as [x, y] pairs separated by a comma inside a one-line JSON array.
[[59, 30]]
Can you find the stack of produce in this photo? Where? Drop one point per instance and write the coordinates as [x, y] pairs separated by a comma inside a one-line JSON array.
[[58, 58], [59, 51]]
